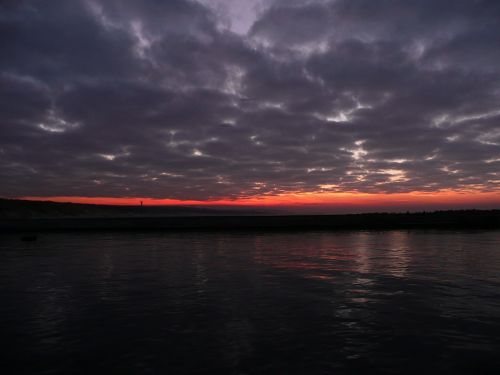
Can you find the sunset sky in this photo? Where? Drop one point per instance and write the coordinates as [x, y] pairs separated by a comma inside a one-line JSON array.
[[389, 104]]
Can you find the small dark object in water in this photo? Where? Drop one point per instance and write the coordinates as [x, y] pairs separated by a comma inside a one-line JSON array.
[[31, 237]]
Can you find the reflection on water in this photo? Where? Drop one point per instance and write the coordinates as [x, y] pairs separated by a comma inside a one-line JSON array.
[[254, 303]]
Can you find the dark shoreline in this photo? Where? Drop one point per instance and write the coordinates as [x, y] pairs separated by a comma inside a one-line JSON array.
[[448, 220]]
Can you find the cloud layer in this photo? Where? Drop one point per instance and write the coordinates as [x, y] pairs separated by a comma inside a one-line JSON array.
[[166, 99]]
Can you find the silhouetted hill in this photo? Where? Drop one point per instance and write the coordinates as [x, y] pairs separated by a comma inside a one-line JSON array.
[[26, 209], [28, 216]]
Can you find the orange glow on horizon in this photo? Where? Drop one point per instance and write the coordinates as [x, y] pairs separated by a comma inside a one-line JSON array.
[[304, 199]]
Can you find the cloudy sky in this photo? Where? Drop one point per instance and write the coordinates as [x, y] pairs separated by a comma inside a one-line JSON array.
[[220, 100]]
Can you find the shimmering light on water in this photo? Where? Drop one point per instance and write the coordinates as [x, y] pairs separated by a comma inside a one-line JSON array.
[[251, 303]]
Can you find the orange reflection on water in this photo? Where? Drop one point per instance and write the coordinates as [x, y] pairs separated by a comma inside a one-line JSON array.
[[359, 256], [320, 257]]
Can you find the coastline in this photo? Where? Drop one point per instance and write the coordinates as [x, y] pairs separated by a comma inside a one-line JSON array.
[[448, 220]]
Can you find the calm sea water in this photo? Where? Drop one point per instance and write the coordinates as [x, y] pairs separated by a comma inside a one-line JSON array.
[[251, 303]]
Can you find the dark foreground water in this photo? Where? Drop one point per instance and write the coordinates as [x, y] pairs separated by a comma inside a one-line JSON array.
[[251, 303]]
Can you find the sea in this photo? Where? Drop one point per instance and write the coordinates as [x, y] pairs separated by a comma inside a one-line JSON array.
[[311, 302]]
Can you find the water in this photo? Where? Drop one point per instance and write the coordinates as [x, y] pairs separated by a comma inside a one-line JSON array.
[[251, 303]]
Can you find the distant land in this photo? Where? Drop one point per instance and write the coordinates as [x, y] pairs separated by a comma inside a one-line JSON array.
[[26, 209], [34, 217]]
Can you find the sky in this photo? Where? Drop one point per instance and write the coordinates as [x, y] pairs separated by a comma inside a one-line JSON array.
[[388, 103]]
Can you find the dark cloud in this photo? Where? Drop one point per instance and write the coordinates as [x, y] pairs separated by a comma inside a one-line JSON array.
[[158, 98]]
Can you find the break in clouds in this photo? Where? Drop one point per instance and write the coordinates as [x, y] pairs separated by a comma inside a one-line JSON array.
[[214, 99]]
